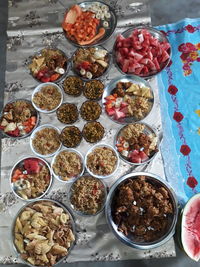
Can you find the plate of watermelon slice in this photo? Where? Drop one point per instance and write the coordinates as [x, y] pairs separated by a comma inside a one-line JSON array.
[[127, 99], [142, 51]]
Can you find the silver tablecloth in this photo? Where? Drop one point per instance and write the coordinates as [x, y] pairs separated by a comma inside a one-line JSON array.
[[33, 25]]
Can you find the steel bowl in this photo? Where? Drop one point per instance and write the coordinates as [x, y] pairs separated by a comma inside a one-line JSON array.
[[109, 31], [33, 135], [155, 33], [153, 179], [96, 175], [38, 89], [104, 73], [105, 188], [13, 188], [66, 209], [75, 177], [147, 130], [36, 114], [127, 78]]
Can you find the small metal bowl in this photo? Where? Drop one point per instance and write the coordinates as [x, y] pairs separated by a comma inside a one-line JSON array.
[[70, 127], [38, 89], [54, 202], [155, 33], [84, 214], [105, 71], [109, 31], [127, 78], [36, 113], [44, 126], [38, 53], [147, 130], [19, 162], [96, 175], [75, 177], [157, 181]]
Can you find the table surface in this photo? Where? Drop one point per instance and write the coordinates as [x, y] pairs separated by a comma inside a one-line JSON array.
[[157, 10]]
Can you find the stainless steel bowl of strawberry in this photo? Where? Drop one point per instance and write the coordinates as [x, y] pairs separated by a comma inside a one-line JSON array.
[[127, 99], [18, 119], [137, 143], [142, 51], [48, 65]]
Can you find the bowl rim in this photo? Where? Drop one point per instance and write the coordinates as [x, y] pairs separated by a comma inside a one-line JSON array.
[[82, 161], [151, 158], [32, 137], [45, 192], [105, 188], [60, 204], [96, 175], [113, 226], [100, 41], [149, 29], [38, 89], [133, 78], [37, 121]]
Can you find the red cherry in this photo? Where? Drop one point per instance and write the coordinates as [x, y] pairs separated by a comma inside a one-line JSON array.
[[185, 150], [178, 116], [192, 182]]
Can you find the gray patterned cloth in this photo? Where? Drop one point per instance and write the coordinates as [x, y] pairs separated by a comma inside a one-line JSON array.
[[33, 25]]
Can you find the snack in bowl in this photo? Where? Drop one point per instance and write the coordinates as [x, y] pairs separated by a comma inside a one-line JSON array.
[[67, 165], [90, 62], [67, 113], [73, 85], [129, 100], [93, 90], [89, 23], [137, 143], [18, 118], [30, 178], [90, 110], [45, 140], [49, 65], [142, 51], [71, 136], [93, 131], [101, 161], [87, 195], [43, 233], [47, 97]]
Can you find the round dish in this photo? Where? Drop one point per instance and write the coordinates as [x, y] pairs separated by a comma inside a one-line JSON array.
[[101, 162], [127, 99], [67, 113], [48, 230], [73, 85], [32, 173], [71, 136], [51, 96], [109, 26], [91, 62], [72, 163], [87, 203], [131, 68], [137, 143], [141, 235], [18, 119], [93, 90], [93, 131], [55, 132], [90, 110], [48, 65]]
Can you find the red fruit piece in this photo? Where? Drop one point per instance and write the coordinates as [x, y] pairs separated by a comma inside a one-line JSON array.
[[32, 165], [84, 65], [110, 111], [143, 156], [119, 114], [14, 133], [45, 79]]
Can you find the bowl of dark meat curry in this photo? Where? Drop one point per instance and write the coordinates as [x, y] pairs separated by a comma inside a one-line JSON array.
[[142, 210]]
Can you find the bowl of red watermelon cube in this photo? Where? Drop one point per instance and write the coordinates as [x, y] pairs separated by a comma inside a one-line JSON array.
[[142, 51], [128, 98]]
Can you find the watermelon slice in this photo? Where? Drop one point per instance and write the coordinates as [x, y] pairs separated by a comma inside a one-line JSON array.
[[32, 165]]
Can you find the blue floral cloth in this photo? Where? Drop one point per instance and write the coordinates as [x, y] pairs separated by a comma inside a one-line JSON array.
[[179, 88]]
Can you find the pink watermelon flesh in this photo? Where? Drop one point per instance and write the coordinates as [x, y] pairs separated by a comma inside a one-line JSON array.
[[32, 166], [191, 228]]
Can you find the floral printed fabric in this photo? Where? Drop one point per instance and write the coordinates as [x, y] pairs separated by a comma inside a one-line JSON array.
[[180, 106]]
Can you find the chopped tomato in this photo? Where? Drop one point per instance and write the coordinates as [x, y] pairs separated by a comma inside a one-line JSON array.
[[54, 77], [33, 120]]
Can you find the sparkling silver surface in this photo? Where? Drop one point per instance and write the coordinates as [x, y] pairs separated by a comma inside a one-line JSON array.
[[32, 26]]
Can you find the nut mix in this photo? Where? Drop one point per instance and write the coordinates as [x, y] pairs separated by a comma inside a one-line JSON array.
[[67, 113], [93, 90], [93, 132], [90, 110], [70, 136], [73, 85]]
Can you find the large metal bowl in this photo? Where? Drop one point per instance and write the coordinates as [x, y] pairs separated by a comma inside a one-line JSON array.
[[66, 209], [155, 33], [156, 180], [109, 31]]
